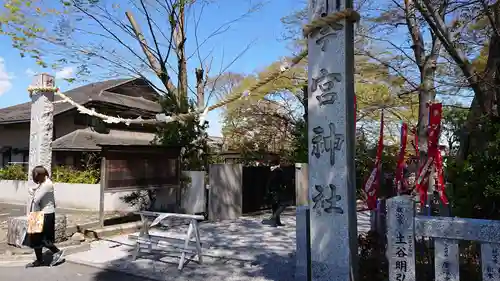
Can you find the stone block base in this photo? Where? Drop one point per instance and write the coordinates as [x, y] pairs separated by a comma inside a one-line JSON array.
[[17, 225], [15, 230], [61, 225]]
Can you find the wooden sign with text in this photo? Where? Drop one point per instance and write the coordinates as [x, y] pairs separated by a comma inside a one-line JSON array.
[[140, 167]]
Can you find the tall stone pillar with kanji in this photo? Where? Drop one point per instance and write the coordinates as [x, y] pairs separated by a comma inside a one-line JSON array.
[[40, 152], [42, 122]]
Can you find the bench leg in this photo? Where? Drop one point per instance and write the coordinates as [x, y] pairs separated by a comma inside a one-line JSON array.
[[136, 251], [198, 241], [186, 244], [143, 232]]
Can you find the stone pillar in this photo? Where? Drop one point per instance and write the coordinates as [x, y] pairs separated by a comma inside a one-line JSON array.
[[331, 141], [401, 238], [302, 231], [40, 153], [42, 122]]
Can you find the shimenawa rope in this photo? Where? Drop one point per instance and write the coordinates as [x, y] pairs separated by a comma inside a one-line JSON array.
[[347, 14]]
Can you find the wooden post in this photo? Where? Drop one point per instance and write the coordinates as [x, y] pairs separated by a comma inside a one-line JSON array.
[[332, 191], [102, 189]]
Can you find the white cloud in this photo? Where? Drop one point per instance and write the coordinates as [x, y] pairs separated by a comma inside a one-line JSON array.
[[30, 72], [65, 73], [5, 78]]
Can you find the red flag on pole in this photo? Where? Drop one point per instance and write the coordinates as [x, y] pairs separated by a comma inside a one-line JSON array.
[[401, 159], [373, 182], [441, 187], [433, 156]]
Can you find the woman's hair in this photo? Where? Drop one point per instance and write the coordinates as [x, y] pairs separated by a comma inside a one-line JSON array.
[[39, 171]]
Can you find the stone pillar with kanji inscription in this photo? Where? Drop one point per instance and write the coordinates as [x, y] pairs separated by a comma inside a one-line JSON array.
[[42, 123], [331, 138], [401, 238], [40, 152]]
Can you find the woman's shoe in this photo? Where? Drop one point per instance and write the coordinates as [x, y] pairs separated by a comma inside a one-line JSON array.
[[57, 258], [36, 263]]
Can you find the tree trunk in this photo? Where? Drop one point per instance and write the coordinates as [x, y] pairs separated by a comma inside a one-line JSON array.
[[305, 90], [489, 90], [200, 91], [180, 40]]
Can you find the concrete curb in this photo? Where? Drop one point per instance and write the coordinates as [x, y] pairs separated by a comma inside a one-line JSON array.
[[112, 230], [21, 260], [23, 256], [28, 251]]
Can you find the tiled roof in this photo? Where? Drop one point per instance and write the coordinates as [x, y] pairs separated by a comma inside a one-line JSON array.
[[82, 95], [88, 140]]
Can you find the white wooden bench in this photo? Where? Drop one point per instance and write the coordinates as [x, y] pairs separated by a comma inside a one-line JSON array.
[[150, 241]]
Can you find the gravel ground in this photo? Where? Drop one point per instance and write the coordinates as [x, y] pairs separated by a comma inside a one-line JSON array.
[[75, 272], [64, 272]]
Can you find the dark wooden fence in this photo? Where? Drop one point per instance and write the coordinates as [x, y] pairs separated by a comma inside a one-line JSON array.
[[255, 189]]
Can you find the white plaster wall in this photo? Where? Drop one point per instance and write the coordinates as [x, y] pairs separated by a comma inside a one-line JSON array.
[[74, 196], [86, 196]]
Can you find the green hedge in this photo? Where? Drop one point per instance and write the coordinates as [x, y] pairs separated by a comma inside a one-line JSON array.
[[13, 172], [59, 174]]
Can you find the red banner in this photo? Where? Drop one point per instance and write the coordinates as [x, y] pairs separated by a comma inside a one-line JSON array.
[[433, 156], [401, 160], [440, 185], [373, 182]]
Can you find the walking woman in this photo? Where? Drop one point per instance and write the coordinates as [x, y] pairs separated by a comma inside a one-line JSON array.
[[42, 200]]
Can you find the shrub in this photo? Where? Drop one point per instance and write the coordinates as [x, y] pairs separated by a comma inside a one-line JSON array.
[[59, 174], [70, 175], [13, 172]]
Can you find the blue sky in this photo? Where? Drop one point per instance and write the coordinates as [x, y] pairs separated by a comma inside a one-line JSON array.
[[264, 29]]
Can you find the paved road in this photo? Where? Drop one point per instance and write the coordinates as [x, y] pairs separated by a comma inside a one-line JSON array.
[[10, 210], [64, 272]]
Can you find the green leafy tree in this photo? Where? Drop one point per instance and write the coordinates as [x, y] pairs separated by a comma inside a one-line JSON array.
[[467, 32], [107, 39], [454, 117], [475, 183]]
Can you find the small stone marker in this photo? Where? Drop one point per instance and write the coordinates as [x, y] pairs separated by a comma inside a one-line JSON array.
[[490, 255], [400, 239], [78, 237], [446, 260]]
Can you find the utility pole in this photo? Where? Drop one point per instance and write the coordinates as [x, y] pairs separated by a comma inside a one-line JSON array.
[[331, 138]]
